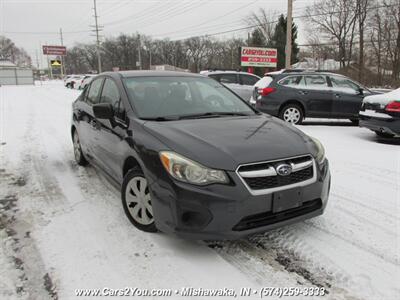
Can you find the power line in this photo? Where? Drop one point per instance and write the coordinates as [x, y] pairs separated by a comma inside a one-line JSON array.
[[173, 13], [142, 14], [276, 21], [215, 19]]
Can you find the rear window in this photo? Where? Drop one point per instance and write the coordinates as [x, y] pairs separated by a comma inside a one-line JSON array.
[[264, 82]]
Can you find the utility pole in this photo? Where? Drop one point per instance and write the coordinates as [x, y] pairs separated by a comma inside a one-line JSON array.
[[97, 30], [62, 57], [288, 48], [140, 55]]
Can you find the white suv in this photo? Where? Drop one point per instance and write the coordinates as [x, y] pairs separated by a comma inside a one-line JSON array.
[[240, 82]]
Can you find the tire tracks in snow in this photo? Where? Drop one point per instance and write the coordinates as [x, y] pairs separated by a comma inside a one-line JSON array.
[[18, 244]]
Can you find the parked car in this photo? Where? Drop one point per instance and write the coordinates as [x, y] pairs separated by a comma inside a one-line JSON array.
[[240, 82], [293, 96], [381, 114], [80, 85], [71, 81], [193, 158]]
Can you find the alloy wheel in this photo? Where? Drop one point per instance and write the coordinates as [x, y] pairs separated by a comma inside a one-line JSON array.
[[292, 115]]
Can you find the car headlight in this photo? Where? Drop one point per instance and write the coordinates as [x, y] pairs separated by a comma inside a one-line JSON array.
[[320, 155], [186, 170]]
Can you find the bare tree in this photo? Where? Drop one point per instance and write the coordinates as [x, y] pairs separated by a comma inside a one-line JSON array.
[[9, 51], [336, 19], [264, 21], [392, 34], [362, 12]]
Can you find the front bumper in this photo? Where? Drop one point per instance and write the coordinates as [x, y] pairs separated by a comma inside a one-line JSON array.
[[229, 211], [380, 122]]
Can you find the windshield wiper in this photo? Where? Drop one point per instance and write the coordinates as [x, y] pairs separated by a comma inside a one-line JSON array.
[[212, 115], [161, 119]]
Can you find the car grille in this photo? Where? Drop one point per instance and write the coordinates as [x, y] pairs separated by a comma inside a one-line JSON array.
[[267, 218], [263, 176]]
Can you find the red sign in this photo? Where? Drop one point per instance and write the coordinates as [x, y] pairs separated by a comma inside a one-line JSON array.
[[259, 57], [54, 50]]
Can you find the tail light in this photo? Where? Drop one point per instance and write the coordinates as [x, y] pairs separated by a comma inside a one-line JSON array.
[[393, 106], [266, 91]]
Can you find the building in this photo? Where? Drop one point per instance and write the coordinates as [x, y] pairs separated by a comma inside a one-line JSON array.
[[10, 74]]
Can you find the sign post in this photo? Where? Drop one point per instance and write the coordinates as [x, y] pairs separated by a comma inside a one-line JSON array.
[[54, 50], [258, 57]]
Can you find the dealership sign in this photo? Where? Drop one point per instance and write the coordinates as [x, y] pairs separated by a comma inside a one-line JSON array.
[[258, 57], [54, 50]]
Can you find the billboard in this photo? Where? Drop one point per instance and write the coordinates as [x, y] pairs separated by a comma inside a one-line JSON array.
[[258, 57], [54, 50]]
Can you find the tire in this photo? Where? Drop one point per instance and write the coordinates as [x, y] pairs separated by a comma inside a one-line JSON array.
[[292, 113], [354, 121], [79, 157], [384, 134], [136, 201]]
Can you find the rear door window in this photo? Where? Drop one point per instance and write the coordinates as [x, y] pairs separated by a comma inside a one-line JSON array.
[[94, 91], [317, 82], [228, 78], [248, 79]]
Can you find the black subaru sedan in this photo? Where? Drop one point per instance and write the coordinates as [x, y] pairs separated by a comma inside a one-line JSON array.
[[381, 114], [192, 158]]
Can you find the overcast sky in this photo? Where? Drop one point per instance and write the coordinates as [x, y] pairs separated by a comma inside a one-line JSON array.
[[31, 23]]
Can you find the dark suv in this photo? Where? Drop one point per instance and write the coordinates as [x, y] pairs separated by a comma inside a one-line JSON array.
[[294, 96], [192, 158]]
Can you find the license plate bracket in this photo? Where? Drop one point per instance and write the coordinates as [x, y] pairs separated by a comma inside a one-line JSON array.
[[287, 199]]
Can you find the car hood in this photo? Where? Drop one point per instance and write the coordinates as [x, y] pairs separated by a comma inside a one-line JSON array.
[[383, 98], [226, 142]]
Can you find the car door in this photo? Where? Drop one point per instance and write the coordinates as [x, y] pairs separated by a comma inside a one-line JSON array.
[[111, 133], [316, 95], [87, 122], [247, 83], [347, 98]]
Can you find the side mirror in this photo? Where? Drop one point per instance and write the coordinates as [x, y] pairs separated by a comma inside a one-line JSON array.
[[103, 111], [360, 91]]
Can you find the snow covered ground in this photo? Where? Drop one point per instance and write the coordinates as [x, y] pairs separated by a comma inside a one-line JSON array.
[[62, 226]]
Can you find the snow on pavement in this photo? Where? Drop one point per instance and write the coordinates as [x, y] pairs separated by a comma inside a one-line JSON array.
[[62, 226]]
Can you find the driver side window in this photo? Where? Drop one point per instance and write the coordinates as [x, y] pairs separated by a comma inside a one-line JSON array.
[[111, 95]]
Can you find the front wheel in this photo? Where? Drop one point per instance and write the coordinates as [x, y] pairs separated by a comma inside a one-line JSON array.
[[136, 200], [292, 113], [79, 157]]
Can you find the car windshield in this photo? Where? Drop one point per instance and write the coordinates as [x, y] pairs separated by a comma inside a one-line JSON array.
[[182, 97]]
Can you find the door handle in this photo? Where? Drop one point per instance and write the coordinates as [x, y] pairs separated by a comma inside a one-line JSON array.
[[337, 95], [303, 92]]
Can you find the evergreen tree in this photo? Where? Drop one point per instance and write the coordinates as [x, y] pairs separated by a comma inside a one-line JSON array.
[[257, 39], [279, 42]]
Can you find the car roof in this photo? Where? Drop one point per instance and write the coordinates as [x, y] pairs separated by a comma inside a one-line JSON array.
[[149, 73], [305, 73], [217, 72]]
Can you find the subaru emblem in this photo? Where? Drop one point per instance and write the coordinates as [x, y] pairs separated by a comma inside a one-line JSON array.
[[284, 169]]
